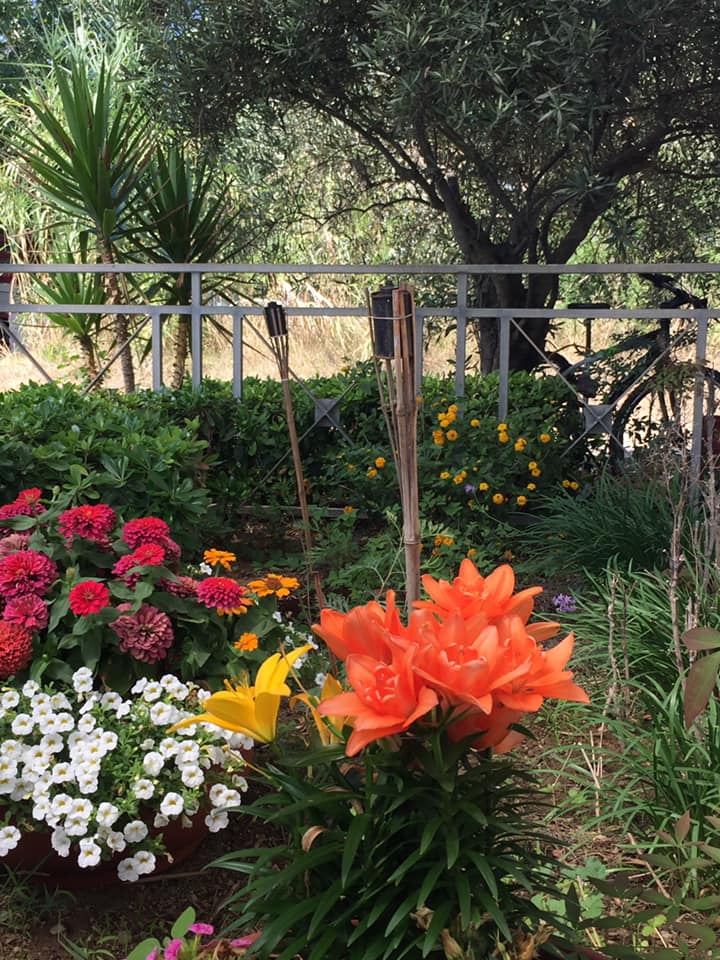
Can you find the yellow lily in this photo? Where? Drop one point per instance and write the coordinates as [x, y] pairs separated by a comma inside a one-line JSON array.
[[251, 710], [330, 688]]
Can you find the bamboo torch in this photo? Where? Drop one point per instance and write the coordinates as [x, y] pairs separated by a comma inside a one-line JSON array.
[[392, 313]]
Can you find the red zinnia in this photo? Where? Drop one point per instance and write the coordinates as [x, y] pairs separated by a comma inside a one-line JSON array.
[[26, 504], [15, 649], [91, 521], [224, 594], [146, 555], [27, 571], [145, 530], [146, 635], [88, 597], [27, 611]]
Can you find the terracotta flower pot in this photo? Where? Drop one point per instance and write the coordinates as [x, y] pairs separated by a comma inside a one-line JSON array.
[[35, 856]]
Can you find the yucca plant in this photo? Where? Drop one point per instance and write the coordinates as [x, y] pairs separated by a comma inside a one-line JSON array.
[[86, 154], [186, 218]]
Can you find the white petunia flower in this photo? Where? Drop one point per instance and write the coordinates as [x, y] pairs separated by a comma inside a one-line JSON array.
[[8, 783], [135, 831], [22, 725], [90, 703], [87, 784], [143, 789], [82, 680], [41, 808], [161, 714], [217, 794], [30, 688], [108, 740], [106, 814], [52, 742], [11, 750], [75, 825], [172, 805], [145, 861], [216, 820], [62, 772], [240, 782], [139, 685], [90, 853], [187, 752], [80, 807], [60, 702], [115, 841], [60, 842], [160, 821], [320, 679], [9, 700], [153, 763], [168, 747], [238, 741], [124, 709], [153, 691], [9, 839], [110, 700], [205, 568], [127, 870], [86, 723], [192, 776], [277, 616], [61, 804]]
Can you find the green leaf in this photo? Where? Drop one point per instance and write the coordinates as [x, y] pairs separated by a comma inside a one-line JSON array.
[[182, 924], [439, 920], [462, 888], [141, 951], [355, 834], [699, 685], [400, 913], [452, 845], [428, 884], [706, 935], [701, 638]]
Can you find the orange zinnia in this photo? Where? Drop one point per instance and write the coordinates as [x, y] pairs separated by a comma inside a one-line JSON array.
[[247, 642], [388, 698], [222, 558], [273, 583]]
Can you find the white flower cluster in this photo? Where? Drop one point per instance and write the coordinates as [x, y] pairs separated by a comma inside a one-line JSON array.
[[99, 771]]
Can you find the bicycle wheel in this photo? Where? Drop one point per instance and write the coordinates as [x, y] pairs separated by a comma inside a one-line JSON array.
[[660, 409]]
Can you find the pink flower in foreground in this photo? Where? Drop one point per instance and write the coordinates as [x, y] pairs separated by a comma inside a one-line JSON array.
[[92, 522], [88, 597], [247, 941], [202, 929], [146, 635], [224, 595], [27, 611], [145, 530], [26, 504], [172, 950], [179, 587], [13, 542], [27, 571]]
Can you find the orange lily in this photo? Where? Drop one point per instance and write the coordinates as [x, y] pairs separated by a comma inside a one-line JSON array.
[[365, 630], [471, 594], [388, 698]]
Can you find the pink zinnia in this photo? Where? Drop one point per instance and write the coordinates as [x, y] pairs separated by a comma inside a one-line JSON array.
[[15, 649], [88, 597], [145, 530], [146, 635], [14, 542], [146, 555], [179, 587], [27, 611], [27, 571], [223, 594], [92, 522]]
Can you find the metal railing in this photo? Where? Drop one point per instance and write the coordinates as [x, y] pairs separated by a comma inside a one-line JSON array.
[[460, 312]]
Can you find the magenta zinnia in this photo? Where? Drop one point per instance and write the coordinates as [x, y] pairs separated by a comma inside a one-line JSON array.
[[224, 595], [146, 555], [26, 504], [146, 635], [27, 571], [145, 530], [92, 522], [27, 611], [88, 597]]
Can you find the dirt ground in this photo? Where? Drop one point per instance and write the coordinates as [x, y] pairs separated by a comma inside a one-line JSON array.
[[118, 917]]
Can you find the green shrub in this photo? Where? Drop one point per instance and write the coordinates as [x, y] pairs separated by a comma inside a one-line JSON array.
[[101, 447]]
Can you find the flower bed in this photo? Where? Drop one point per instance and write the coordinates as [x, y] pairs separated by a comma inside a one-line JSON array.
[[100, 775]]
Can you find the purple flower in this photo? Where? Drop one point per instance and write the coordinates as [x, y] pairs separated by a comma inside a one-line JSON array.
[[564, 603], [172, 950], [201, 929], [469, 488]]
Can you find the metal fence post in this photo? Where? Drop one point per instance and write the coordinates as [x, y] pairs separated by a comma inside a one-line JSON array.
[[461, 334], [196, 344], [504, 371], [419, 327], [698, 398], [237, 348], [157, 351]]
